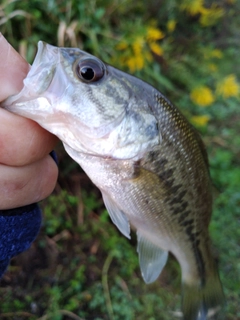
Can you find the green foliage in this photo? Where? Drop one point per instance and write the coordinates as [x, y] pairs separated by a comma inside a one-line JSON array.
[[80, 266]]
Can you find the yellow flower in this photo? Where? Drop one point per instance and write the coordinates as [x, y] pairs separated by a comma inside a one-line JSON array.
[[228, 87], [210, 54], [139, 62], [139, 50], [171, 25], [154, 34], [202, 96], [216, 53], [135, 63], [212, 67], [210, 16], [192, 6], [200, 120], [138, 45], [156, 48], [121, 45]]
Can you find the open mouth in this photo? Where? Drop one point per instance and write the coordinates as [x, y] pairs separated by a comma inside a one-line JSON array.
[[43, 68], [39, 77]]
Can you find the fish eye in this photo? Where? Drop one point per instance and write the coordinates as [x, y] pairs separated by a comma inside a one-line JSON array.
[[89, 70]]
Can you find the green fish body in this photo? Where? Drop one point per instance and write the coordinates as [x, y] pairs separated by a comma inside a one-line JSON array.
[[148, 161]]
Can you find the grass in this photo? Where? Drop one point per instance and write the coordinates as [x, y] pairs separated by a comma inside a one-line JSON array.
[[80, 267]]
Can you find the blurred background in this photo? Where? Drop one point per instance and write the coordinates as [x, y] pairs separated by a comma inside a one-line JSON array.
[[80, 267]]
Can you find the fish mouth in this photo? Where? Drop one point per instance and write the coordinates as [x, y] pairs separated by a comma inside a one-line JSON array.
[[45, 52], [43, 68], [38, 78]]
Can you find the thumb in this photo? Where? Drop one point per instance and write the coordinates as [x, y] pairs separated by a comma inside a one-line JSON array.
[[13, 69]]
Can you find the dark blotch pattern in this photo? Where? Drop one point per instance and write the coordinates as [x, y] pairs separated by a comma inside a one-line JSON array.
[[180, 208], [165, 175], [177, 192], [197, 252], [179, 198]]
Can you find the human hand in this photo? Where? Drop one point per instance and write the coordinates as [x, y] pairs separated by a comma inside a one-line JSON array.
[[27, 171]]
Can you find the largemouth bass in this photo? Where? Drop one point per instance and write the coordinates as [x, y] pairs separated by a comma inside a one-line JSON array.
[[139, 150]]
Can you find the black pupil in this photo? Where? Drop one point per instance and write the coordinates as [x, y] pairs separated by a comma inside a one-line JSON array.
[[89, 70], [87, 73]]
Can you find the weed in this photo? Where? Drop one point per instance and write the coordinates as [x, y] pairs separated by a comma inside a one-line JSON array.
[[80, 267]]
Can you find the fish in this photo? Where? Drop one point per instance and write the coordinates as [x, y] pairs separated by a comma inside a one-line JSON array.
[[148, 161]]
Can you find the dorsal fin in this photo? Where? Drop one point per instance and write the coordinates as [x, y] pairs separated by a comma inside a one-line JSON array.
[[152, 259], [117, 215]]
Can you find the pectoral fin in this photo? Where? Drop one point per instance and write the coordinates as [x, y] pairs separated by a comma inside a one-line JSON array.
[[152, 259], [117, 215]]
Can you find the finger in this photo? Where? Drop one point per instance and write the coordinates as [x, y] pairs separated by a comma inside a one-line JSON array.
[[21, 186], [22, 141], [13, 69]]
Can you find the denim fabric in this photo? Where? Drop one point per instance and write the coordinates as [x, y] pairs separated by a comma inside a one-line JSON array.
[[18, 228]]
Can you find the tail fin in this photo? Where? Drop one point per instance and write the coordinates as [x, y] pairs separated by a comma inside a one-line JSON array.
[[200, 301]]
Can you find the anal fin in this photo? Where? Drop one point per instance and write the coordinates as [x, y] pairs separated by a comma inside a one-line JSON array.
[[117, 215], [152, 259]]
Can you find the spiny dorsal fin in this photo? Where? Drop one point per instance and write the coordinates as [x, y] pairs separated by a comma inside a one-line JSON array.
[[117, 215], [152, 259]]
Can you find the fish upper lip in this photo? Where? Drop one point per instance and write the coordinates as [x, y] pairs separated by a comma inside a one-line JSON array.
[[44, 57], [46, 49], [37, 60], [38, 79], [41, 46]]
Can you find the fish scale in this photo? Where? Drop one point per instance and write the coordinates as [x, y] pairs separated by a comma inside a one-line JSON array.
[[149, 163]]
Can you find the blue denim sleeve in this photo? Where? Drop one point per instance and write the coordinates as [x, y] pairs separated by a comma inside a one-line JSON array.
[[18, 229]]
